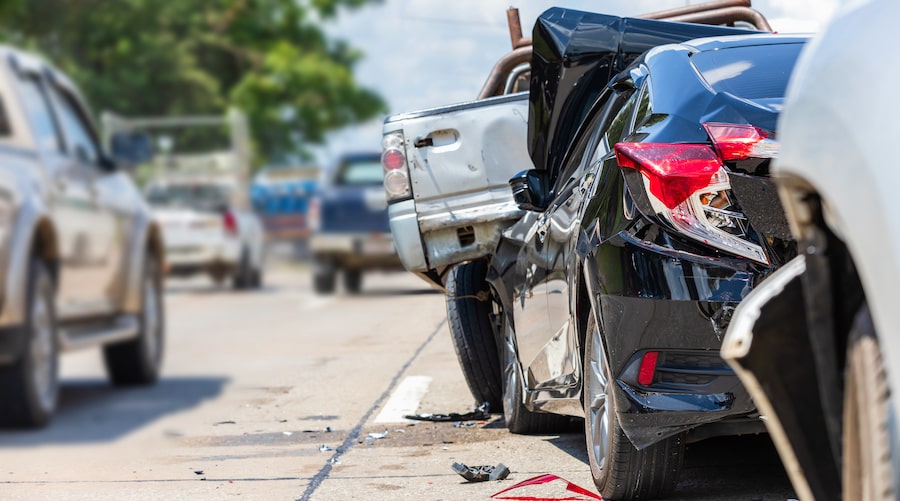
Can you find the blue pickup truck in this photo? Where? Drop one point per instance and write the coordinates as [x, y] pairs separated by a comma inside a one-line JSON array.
[[349, 220]]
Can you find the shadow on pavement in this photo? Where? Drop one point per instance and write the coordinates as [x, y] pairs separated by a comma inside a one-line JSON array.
[[92, 410]]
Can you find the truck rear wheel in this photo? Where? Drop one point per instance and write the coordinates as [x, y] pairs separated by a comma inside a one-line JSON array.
[[29, 388], [324, 274], [353, 281], [469, 316]]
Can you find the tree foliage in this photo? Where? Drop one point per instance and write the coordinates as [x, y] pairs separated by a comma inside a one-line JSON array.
[[269, 58]]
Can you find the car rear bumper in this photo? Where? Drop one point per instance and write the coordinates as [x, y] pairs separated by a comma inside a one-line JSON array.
[[356, 250], [679, 308]]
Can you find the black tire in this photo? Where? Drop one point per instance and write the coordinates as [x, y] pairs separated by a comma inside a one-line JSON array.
[[518, 418], [324, 276], [257, 280], [243, 276], [469, 317], [29, 388], [353, 281], [619, 470], [138, 361], [867, 436]]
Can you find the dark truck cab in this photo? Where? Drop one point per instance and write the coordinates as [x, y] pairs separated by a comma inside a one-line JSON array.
[[349, 220]]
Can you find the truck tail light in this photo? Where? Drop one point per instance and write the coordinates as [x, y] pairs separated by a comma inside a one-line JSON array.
[[229, 221], [396, 172], [314, 214], [688, 184]]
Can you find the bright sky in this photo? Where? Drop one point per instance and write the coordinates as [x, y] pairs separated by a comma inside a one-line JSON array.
[[426, 53]]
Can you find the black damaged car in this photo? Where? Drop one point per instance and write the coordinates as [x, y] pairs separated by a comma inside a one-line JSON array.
[[650, 215]]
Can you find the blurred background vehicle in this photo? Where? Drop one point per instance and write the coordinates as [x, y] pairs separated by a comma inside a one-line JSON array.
[[817, 343], [81, 257], [351, 233], [201, 195], [280, 196]]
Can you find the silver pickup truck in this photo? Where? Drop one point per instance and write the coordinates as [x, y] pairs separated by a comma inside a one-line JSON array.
[[81, 258]]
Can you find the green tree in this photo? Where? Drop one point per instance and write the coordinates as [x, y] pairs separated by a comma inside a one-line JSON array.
[[269, 58]]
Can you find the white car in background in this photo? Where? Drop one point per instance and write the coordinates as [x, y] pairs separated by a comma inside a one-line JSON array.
[[817, 343], [206, 232]]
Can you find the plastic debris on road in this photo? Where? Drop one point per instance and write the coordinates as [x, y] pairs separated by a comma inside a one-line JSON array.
[[325, 448], [582, 494], [481, 473], [376, 436], [482, 412]]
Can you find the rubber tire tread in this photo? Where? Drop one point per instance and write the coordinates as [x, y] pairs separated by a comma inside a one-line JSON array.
[[324, 282], [18, 407], [353, 281], [867, 437], [472, 332], [126, 363], [649, 473]]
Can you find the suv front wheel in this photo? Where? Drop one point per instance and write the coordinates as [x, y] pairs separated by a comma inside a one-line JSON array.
[[138, 361]]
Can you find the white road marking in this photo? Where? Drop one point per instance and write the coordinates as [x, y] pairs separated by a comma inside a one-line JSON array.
[[405, 400]]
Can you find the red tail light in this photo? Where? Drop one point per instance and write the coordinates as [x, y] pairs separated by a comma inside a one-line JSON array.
[[674, 171], [230, 222], [740, 142], [688, 184], [648, 368]]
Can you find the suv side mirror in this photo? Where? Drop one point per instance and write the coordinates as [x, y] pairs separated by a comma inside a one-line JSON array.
[[131, 148], [531, 189]]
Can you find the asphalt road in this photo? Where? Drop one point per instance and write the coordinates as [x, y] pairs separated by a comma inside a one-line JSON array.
[[274, 394]]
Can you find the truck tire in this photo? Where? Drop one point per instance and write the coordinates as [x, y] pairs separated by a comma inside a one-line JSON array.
[[867, 430], [618, 469], [29, 388], [469, 317], [353, 281], [138, 361], [243, 275], [324, 272]]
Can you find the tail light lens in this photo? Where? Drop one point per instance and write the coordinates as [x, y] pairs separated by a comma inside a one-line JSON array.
[[688, 184], [314, 215], [396, 173], [229, 221]]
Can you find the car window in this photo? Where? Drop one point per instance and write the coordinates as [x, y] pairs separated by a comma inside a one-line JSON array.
[[361, 172], [754, 72], [199, 196], [76, 129], [34, 101], [5, 129], [644, 108]]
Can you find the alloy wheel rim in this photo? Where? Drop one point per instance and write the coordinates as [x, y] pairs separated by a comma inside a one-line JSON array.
[[43, 352], [597, 399]]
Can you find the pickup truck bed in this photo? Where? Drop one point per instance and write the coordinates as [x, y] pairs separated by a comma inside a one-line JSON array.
[[460, 159]]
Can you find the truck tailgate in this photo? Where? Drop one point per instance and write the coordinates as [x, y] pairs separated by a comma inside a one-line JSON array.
[[460, 160]]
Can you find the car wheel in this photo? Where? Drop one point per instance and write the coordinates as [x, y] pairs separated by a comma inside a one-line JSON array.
[[29, 389], [867, 437], [518, 418], [257, 281], [243, 276], [619, 470], [138, 361], [353, 281], [469, 317], [324, 275]]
